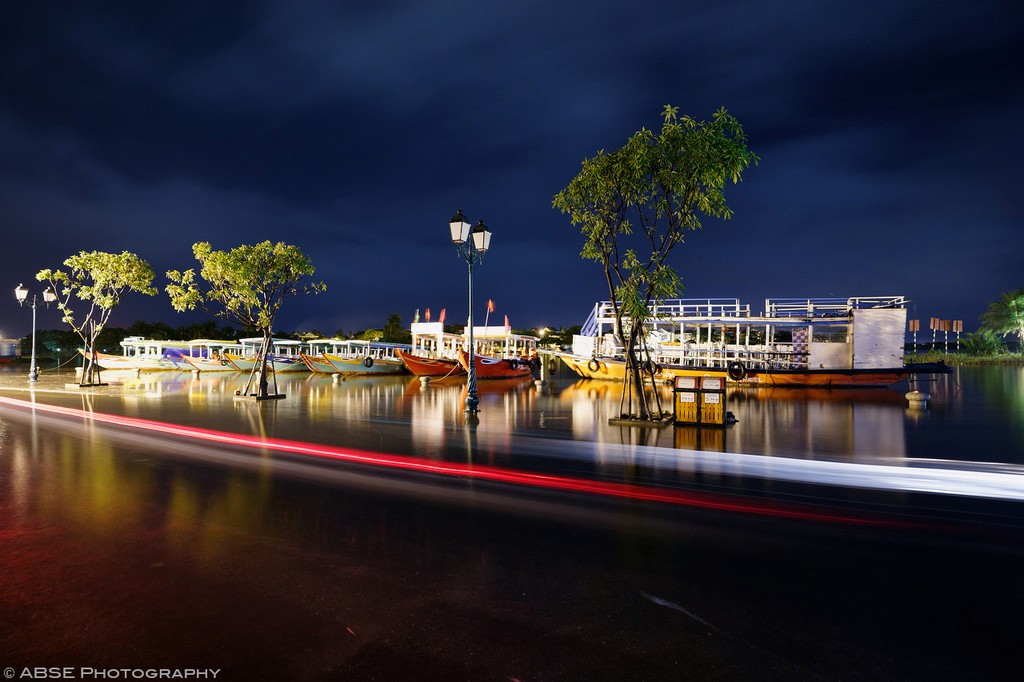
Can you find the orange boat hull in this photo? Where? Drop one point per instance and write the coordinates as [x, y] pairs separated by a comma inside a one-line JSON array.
[[809, 378], [496, 368], [429, 367]]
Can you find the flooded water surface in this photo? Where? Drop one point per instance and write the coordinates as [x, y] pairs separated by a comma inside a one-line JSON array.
[[620, 553]]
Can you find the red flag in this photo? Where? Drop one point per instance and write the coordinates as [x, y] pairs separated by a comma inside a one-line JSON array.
[[441, 318], [428, 314], [490, 306]]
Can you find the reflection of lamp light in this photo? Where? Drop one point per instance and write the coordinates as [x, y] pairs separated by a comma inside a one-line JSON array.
[[473, 251], [21, 293]]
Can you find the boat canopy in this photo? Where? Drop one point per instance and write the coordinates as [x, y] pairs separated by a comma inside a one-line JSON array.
[[430, 340]]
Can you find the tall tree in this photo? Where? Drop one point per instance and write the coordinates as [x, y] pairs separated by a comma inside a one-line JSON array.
[[393, 330], [99, 280], [1006, 316], [635, 204], [245, 286]]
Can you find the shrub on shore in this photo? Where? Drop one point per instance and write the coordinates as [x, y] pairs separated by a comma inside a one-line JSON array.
[[1001, 358]]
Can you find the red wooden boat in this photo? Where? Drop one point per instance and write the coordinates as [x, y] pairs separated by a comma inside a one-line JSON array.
[[429, 367], [496, 368]]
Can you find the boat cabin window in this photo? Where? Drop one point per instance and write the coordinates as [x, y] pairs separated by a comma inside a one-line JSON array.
[[830, 334]]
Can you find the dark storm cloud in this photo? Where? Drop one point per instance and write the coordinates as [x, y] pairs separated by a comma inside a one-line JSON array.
[[887, 133]]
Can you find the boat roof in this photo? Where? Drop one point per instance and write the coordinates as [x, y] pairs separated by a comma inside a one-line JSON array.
[[140, 341]]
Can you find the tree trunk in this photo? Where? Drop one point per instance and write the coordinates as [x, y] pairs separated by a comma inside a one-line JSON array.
[[90, 363], [633, 381], [262, 364]]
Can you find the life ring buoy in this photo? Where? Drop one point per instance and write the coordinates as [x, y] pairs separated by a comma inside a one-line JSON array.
[[736, 371], [224, 362], [368, 363], [650, 367], [593, 365]]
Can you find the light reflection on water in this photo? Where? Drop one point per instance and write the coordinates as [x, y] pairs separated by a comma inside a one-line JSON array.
[[977, 414]]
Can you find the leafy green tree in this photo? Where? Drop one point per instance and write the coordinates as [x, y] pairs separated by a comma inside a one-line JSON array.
[[393, 330], [160, 331], [207, 329], [57, 341], [983, 342], [99, 280], [1006, 316], [561, 337], [635, 204], [246, 286]]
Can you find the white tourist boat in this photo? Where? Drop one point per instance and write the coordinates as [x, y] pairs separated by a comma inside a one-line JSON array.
[[284, 355], [357, 356], [143, 355], [206, 355], [856, 341]]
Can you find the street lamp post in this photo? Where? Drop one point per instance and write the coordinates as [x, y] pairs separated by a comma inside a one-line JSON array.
[[21, 293], [471, 245]]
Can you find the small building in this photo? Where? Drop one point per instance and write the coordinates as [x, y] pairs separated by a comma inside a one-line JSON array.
[[10, 349]]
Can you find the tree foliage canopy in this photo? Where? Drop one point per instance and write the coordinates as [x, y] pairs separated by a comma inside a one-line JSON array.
[[99, 280], [1006, 316], [635, 204], [245, 285]]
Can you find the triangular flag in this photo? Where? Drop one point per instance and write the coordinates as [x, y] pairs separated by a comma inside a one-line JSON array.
[[490, 306], [428, 315], [441, 318], [506, 322]]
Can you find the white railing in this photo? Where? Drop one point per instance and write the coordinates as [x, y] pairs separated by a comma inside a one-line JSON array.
[[827, 307], [671, 310], [776, 356]]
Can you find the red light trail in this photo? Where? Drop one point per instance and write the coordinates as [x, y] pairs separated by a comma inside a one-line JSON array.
[[462, 470]]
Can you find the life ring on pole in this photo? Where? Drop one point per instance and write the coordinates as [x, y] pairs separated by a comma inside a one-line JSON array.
[[736, 371], [593, 365], [368, 363]]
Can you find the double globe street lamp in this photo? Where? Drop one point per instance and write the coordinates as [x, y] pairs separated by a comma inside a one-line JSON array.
[[471, 244], [21, 293]]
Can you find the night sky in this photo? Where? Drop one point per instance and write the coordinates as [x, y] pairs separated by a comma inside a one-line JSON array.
[[889, 135]]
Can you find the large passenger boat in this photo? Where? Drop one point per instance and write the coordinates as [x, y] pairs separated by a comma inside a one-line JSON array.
[[832, 342]]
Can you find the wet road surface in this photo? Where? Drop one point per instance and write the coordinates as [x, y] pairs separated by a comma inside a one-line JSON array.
[[122, 548]]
